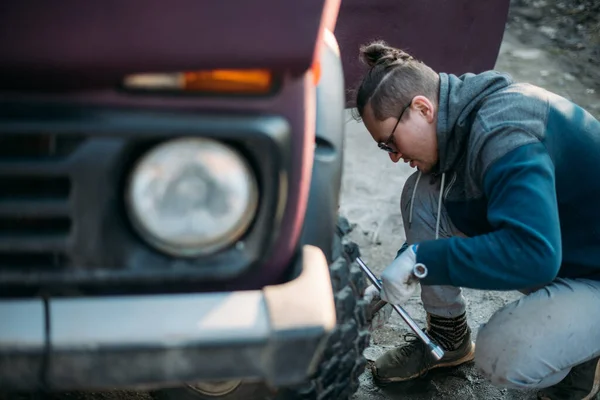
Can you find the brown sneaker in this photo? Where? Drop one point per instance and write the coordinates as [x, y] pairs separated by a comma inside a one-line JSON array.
[[414, 359], [582, 383]]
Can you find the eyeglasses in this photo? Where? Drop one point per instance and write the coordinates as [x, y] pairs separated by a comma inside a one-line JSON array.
[[385, 146]]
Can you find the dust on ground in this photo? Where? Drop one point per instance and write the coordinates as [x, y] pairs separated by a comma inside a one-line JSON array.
[[549, 44]]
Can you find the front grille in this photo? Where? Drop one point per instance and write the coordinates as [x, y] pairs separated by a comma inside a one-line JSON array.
[[64, 224], [35, 220], [25, 226], [23, 188], [15, 146]]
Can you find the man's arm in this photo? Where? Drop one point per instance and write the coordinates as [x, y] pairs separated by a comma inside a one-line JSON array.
[[524, 250]]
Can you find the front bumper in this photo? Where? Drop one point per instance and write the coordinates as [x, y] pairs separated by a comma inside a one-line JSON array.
[[275, 334]]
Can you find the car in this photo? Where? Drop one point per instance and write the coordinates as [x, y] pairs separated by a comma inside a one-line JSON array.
[[170, 177]]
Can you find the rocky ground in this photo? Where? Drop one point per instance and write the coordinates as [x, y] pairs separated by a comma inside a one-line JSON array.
[[562, 41], [567, 31], [553, 45]]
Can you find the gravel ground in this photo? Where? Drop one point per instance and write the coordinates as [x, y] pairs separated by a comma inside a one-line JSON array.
[[568, 30]]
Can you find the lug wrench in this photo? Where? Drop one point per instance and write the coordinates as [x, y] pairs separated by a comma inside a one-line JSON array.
[[420, 271]]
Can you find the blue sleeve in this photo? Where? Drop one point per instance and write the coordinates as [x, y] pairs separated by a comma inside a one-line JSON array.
[[524, 248]]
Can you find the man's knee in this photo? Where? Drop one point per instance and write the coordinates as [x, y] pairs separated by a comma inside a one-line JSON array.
[[418, 201], [420, 211], [490, 355], [504, 355]]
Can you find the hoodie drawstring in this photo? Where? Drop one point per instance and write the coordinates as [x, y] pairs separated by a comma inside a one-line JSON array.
[[412, 200], [439, 210], [439, 213]]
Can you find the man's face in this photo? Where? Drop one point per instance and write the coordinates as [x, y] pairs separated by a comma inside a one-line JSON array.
[[412, 138]]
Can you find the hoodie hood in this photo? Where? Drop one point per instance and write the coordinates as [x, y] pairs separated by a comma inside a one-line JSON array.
[[459, 99]]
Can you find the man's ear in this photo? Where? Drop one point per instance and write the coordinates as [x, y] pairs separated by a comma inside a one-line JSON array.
[[425, 107]]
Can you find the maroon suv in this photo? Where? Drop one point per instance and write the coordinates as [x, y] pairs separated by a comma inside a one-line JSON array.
[[169, 183]]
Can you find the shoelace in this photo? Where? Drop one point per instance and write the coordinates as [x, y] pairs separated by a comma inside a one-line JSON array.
[[412, 344]]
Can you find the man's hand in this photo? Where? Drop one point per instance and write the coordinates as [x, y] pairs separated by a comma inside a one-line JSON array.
[[397, 278], [378, 311]]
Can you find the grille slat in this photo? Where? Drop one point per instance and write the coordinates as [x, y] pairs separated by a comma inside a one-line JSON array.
[[38, 146], [23, 261], [33, 243], [34, 208], [25, 169], [35, 188], [19, 226]]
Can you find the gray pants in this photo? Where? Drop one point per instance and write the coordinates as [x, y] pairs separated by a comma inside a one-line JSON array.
[[530, 343]]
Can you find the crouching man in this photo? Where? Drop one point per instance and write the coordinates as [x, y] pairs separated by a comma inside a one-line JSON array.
[[506, 197]]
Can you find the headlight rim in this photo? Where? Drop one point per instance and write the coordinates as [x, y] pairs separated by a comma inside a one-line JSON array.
[[231, 238]]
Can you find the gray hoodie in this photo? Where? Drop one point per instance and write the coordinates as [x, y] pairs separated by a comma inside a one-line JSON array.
[[507, 184]]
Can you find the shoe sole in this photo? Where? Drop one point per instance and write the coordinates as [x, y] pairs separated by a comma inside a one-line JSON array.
[[454, 363]]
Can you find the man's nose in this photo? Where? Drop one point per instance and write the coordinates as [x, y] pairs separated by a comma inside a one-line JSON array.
[[395, 157]]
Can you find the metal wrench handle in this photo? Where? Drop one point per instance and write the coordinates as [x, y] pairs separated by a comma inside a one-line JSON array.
[[436, 350]]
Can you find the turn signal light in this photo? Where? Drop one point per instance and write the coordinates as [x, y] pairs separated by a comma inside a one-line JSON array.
[[229, 81]]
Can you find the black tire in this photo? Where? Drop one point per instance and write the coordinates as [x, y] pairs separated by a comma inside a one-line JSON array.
[[337, 377]]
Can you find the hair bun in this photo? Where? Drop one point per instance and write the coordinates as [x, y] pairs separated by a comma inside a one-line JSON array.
[[379, 52]]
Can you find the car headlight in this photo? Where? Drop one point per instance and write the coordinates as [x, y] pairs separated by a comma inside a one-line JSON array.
[[192, 196]]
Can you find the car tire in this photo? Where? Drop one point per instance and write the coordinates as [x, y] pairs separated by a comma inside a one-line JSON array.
[[337, 376]]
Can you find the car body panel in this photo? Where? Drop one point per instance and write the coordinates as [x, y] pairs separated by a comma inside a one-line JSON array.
[[326, 179], [456, 36], [75, 44], [452, 36], [128, 119]]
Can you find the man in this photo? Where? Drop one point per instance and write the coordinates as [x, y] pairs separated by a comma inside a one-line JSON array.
[[506, 197]]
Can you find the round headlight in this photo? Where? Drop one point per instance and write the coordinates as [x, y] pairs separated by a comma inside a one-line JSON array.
[[192, 196]]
